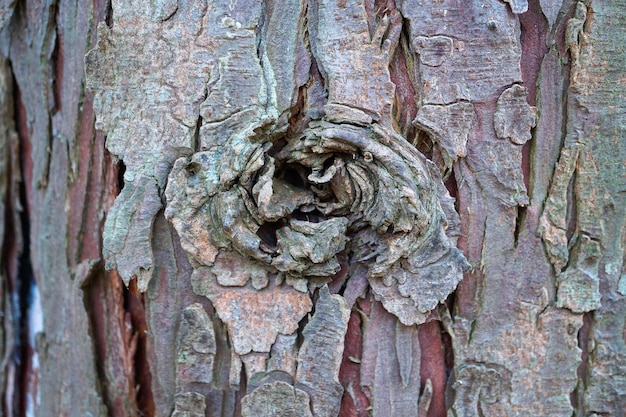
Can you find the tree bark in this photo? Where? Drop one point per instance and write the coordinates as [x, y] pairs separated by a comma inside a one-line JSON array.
[[312, 208]]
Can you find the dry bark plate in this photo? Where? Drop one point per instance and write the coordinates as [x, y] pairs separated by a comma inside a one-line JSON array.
[[271, 191]]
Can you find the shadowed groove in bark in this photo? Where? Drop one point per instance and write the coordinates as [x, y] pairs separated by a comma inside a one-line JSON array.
[[134, 305], [534, 32], [22, 286], [584, 340]]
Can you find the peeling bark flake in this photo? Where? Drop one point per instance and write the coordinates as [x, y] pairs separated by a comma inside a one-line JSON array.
[[321, 352], [189, 404], [514, 117], [196, 346], [168, 60], [484, 55], [449, 127], [277, 399], [254, 317]]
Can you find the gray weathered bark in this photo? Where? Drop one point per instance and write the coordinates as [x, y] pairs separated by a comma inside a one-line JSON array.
[[319, 208]]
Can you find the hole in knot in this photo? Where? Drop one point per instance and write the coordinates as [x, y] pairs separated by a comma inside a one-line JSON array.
[[313, 216], [267, 233]]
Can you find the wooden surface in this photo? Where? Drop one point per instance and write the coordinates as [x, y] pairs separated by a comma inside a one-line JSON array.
[[319, 207]]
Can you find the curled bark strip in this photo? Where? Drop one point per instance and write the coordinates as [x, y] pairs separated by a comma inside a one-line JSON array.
[[293, 208]]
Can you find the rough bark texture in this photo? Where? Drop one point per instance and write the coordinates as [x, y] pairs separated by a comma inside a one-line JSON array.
[[318, 208]]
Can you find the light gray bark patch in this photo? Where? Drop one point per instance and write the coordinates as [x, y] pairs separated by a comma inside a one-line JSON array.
[[196, 346], [309, 249], [229, 272], [149, 73], [241, 92], [579, 285], [356, 65], [234, 374], [277, 399], [189, 404], [538, 349], [553, 221], [433, 50], [283, 355], [253, 317], [596, 126], [195, 180], [481, 60], [338, 113], [127, 237], [518, 6], [8, 142], [207, 210], [6, 11], [449, 127], [514, 117], [415, 285], [284, 46], [393, 382], [574, 31], [404, 350], [255, 364], [276, 198], [550, 10], [477, 384], [498, 168], [321, 353]]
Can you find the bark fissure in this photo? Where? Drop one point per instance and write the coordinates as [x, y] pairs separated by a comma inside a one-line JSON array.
[[22, 284]]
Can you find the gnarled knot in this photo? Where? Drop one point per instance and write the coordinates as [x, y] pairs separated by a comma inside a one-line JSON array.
[[294, 205]]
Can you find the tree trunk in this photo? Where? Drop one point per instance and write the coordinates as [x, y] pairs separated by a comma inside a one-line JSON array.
[[317, 207]]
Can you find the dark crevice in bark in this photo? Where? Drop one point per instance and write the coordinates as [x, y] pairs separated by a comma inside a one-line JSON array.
[[572, 210], [534, 32], [10, 257], [448, 350], [526, 158], [10, 249], [296, 121], [424, 143], [401, 72], [56, 66], [22, 302], [243, 390], [121, 169], [519, 224], [109, 15], [134, 305], [24, 286], [196, 133], [452, 187], [584, 334], [94, 299]]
